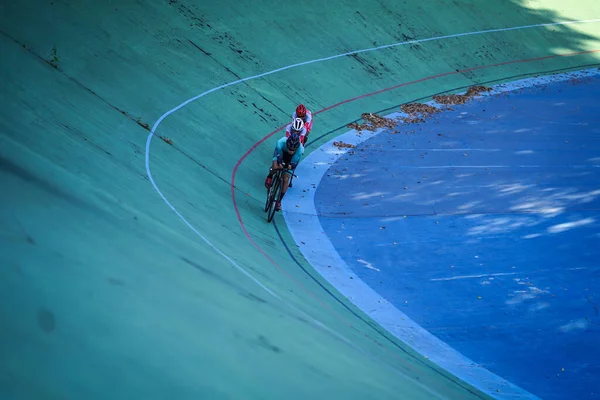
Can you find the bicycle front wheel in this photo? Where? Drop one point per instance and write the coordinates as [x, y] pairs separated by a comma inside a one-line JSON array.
[[274, 196], [269, 197]]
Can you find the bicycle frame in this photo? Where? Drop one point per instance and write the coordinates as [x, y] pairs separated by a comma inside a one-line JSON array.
[[275, 190]]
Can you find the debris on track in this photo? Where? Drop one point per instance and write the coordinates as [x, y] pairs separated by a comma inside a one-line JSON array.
[[416, 112], [373, 122], [461, 98], [419, 109], [341, 144]]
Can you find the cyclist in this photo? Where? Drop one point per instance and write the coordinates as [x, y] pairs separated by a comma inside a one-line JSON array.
[[306, 116], [297, 127], [288, 151]]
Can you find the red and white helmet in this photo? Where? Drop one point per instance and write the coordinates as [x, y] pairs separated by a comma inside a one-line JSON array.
[[301, 111]]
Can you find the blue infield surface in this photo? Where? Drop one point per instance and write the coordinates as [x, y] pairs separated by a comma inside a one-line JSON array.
[[482, 226]]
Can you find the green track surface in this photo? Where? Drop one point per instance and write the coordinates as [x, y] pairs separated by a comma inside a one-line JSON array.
[[105, 293]]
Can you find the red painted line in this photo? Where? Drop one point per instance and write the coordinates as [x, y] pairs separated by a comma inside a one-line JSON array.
[[251, 149]]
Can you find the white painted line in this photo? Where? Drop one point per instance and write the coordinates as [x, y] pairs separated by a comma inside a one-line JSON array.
[[452, 278]]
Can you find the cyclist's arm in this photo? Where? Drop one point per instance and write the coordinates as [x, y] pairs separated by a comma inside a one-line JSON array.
[[278, 153], [308, 127], [302, 135], [309, 121]]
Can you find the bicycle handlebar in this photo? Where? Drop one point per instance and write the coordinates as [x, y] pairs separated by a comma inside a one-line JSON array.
[[285, 166]]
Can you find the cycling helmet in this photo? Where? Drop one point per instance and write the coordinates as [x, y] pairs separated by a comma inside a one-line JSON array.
[[301, 111], [297, 125], [293, 141]]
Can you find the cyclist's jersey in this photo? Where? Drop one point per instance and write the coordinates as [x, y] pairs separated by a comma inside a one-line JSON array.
[[302, 133], [280, 149], [307, 120]]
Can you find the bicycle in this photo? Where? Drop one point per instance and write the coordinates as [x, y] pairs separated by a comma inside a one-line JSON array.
[[275, 190]]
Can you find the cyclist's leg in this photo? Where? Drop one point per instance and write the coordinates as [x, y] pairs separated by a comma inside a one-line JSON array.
[[284, 186], [269, 178], [286, 182]]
